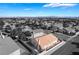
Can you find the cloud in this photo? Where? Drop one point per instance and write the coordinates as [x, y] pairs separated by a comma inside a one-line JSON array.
[[59, 5], [28, 9]]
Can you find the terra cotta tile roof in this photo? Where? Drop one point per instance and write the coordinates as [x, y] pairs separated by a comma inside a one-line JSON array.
[[47, 41]]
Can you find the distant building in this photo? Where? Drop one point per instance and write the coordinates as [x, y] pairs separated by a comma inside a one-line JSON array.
[[59, 25], [26, 28], [6, 25], [8, 46]]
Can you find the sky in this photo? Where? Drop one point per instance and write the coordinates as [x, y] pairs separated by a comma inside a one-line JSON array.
[[39, 9]]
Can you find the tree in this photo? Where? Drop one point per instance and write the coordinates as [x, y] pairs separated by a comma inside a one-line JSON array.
[[28, 33], [8, 29], [1, 24], [23, 37], [15, 33]]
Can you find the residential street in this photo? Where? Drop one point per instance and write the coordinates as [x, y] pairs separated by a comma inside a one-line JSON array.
[[70, 48]]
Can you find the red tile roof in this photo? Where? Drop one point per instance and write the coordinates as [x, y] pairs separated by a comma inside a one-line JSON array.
[[47, 41]]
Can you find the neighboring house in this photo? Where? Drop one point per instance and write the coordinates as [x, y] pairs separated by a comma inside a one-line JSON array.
[[73, 23], [47, 25], [76, 27], [27, 28], [54, 28], [21, 21], [13, 26], [6, 25], [37, 33], [70, 30], [8, 46], [59, 25]]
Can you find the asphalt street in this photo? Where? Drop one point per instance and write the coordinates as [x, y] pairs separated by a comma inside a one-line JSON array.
[[70, 48]]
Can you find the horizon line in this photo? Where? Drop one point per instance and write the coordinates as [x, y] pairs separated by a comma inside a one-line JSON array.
[[37, 16]]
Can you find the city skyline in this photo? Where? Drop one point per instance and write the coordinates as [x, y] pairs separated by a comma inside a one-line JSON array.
[[39, 9]]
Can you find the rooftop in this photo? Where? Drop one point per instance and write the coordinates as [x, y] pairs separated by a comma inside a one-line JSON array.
[[47, 41], [7, 46]]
